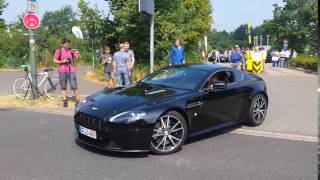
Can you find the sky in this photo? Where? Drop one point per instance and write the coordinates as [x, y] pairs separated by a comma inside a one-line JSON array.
[[227, 14]]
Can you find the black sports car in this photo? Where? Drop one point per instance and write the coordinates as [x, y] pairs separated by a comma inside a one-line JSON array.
[[170, 105]]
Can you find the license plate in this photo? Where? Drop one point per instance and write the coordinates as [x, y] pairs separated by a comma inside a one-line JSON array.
[[88, 132]]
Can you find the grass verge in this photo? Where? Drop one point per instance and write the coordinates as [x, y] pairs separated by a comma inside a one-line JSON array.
[[42, 103]]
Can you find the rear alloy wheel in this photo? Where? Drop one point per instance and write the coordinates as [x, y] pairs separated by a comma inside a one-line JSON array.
[[169, 133], [258, 110]]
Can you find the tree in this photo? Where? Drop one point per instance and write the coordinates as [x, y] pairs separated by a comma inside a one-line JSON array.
[[59, 22], [296, 21], [3, 5], [189, 20]]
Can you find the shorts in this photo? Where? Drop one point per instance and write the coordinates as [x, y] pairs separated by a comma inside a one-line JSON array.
[[64, 77], [109, 76]]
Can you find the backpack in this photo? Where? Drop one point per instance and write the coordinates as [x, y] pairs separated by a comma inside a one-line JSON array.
[[212, 57], [60, 54]]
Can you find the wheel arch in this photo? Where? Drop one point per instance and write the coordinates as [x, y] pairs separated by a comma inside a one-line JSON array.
[[180, 111]]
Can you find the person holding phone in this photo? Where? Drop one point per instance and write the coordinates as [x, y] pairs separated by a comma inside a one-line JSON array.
[[65, 58]]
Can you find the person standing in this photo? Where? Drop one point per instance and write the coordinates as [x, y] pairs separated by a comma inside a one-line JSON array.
[[217, 55], [121, 66], [274, 58], [287, 57], [131, 61], [241, 56], [107, 58], [282, 58], [235, 59], [65, 58], [294, 54], [203, 56], [177, 55]]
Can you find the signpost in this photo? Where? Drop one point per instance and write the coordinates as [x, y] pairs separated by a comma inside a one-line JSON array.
[[31, 21], [32, 6], [147, 7]]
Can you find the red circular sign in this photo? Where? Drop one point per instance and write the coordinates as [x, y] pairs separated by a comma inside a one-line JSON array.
[[31, 21]]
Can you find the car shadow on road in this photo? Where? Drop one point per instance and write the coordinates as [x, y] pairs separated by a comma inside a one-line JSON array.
[[211, 134], [112, 153]]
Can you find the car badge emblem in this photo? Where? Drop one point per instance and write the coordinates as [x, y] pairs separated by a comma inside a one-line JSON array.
[[94, 108]]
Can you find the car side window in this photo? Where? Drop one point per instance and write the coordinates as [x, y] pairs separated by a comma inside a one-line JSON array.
[[238, 75], [226, 76]]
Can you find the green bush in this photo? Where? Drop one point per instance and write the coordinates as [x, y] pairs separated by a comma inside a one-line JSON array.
[[305, 61]]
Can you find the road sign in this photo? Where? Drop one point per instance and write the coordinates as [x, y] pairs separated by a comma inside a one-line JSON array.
[[146, 6], [31, 21], [32, 6]]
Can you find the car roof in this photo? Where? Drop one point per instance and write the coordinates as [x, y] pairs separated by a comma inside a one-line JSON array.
[[207, 67]]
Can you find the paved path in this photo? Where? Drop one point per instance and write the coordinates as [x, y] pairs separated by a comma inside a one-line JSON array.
[[41, 146], [85, 87]]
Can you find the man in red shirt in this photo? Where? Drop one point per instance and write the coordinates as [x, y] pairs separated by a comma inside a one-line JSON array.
[[67, 71]]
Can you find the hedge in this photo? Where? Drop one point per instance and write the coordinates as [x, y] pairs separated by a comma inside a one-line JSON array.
[[305, 62]]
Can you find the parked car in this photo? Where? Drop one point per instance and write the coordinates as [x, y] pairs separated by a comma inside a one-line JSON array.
[[168, 106], [223, 58]]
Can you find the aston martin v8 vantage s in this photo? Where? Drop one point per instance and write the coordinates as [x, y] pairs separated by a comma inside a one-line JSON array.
[[159, 112]]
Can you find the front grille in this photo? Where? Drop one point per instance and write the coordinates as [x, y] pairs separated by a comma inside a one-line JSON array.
[[90, 122]]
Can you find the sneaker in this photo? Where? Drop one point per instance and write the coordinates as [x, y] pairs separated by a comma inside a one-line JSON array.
[[65, 103]]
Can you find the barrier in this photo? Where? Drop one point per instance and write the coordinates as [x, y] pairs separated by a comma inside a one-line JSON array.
[[257, 66], [249, 61]]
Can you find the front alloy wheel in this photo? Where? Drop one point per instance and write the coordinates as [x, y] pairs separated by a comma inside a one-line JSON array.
[[169, 133]]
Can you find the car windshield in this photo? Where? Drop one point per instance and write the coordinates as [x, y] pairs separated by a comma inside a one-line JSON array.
[[177, 77]]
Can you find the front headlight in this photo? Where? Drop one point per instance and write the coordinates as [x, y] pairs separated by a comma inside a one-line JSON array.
[[81, 103], [129, 116]]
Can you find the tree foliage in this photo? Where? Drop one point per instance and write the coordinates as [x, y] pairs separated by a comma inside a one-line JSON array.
[[59, 22], [189, 20], [3, 5], [296, 21]]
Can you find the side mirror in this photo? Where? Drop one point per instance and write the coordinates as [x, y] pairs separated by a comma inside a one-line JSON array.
[[220, 85]]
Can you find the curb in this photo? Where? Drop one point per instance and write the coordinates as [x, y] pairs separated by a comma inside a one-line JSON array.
[[276, 135], [304, 70]]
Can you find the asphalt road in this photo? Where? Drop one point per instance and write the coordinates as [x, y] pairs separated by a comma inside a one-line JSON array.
[[41, 146]]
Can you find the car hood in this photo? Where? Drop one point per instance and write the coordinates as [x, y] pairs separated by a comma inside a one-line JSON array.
[[110, 102]]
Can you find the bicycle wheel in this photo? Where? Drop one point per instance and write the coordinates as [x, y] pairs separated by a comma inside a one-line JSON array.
[[22, 88], [52, 88]]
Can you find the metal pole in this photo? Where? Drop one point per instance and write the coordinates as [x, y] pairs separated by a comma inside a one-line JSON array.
[[267, 41], [32, 59], [92, 51], [151, 43]]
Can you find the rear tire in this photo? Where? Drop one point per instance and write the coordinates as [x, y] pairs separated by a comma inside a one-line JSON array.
[[21, 88], [258, 110], [169, 133], [52, 88]]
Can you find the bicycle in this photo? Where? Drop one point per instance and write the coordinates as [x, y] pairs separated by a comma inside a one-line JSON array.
[[22, 86]]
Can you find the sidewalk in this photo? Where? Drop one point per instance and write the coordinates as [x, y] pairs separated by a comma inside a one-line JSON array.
[[85, 87]]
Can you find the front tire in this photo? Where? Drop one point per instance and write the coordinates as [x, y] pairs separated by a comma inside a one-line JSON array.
[[21, 88], [258, 110], [169, 133]]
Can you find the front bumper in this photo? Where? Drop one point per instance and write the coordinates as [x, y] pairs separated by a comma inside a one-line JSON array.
[[115, 137]]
